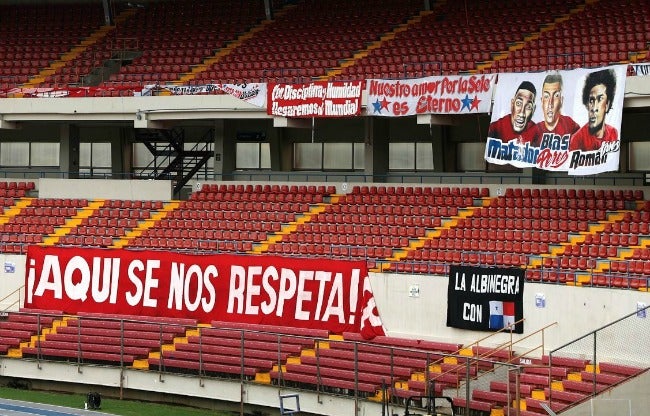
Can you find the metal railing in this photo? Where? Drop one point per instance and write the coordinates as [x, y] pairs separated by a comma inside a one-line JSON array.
[[425, 178], [87, 343], [622, 342], [360, 370], [7, 302]]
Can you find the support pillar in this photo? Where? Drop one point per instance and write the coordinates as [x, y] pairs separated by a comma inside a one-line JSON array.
[[69, 141], [376, 148], [219, 148]]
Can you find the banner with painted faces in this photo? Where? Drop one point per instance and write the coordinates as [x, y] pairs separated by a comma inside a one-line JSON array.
[[309, 293], [563, 121]]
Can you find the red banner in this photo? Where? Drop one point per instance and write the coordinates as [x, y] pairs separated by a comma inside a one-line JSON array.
[[315, 99], [70, 92], [309, 293]]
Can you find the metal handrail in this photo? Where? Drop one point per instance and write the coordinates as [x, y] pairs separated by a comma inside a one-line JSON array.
[[10, 295]]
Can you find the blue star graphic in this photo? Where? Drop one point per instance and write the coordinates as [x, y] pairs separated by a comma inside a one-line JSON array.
[[377, 106], [467, 102]]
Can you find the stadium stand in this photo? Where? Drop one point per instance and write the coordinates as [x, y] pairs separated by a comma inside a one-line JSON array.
[[398, 368], [306, 358], [179, 42], [30, 53], [584, 237], [575, 236], [98, 338]]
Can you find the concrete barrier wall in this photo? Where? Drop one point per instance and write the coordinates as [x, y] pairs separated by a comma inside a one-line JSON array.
[[143, 190], [576, 310]]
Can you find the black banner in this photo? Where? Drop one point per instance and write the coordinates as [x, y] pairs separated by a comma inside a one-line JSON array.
[[485, 298]]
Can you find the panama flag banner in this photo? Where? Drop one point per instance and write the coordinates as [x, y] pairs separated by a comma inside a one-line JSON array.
[[502, 314], [486, 298], [562, 121]]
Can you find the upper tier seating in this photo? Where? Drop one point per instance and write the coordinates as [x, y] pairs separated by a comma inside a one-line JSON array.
[[576, 43], [176, 36], [454, 38], [307, 39], [177, 41], [28, 45]]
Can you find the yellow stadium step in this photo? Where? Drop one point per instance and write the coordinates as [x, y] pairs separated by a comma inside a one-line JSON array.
[[146, 224], [194, 332], [379, 396], [141, 364], [49, 241], [616, 216], [417, 376], [281, 368], [557, 385], [286, 229], [57, 65], [577, 238], [558, 249], [15, 353], [601, 266], [516, 46], [574, 376], [324, 345], [71, 55], [307, 352], [335, 337], [294, 360], [16, 209], [88, 210], [598, 227], [259, 248], [386, 37], [63, 322], [72, 222], [399, 255], [497, 411], [538, 394], [381, 267], [208, 61], [466, 352], [402, 385], [263, 378], [520, 403], [530, 37], [435, 368], [536, 261]]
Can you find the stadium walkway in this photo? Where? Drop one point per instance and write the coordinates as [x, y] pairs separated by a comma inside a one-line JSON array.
[[19, 408]]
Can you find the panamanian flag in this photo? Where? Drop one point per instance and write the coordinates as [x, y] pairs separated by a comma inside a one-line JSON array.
[[502, 314]]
